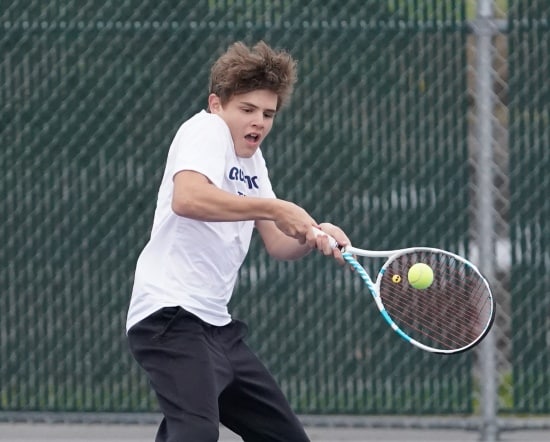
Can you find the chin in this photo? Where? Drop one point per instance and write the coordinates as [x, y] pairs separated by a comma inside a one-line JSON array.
[[246, 152]]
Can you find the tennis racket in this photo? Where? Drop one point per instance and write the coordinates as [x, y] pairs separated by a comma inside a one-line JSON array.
[[453, 314]]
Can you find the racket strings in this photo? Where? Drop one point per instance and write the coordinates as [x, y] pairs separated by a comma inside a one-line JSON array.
[[446, 332], [436, 331], [451, 313]]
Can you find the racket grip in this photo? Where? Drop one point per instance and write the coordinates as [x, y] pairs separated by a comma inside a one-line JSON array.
[[331, 240]]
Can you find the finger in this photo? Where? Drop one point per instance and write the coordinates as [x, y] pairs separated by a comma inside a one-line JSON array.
[[338, 256], [340, 237], [323, 242], [322, 234], [312, 238], [324, 245], [336, 233]]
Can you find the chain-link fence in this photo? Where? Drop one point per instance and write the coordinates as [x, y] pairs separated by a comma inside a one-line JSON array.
[[384, 136]]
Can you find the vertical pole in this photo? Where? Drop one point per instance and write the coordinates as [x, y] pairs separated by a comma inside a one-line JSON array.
[[484, 30]]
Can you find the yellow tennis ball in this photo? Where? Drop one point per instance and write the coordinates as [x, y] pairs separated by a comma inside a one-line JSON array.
[[421, 276]]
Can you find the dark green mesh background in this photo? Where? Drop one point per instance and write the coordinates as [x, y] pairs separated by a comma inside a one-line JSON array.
[[375, 140], [530, 202]]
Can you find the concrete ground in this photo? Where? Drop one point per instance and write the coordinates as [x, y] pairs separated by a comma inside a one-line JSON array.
[[60, 432]]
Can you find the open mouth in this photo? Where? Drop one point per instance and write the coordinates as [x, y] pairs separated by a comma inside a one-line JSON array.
[[252, 138]]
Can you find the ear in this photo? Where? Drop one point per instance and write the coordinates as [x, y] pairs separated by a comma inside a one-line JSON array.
[[214, 103]]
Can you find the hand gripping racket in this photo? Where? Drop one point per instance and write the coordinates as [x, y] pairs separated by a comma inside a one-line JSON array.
[[451, 315]]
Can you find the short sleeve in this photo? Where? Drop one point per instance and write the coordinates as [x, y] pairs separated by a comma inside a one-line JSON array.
[[201, 146]]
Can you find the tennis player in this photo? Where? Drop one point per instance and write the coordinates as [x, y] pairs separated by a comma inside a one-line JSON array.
[[214, 191]]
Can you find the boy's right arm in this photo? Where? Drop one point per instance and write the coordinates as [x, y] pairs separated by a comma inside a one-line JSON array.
[[197, 198]]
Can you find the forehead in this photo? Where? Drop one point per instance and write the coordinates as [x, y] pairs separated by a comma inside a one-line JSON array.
[[262, 98]]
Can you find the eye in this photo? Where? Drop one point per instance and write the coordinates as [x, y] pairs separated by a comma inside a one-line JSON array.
[[269, 115]]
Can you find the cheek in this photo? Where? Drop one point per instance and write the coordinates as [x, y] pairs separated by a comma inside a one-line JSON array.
[[268, 126], [234, 127], [234, 135]]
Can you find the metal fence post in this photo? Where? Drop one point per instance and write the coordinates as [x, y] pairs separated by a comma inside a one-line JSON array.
[[484, 29]]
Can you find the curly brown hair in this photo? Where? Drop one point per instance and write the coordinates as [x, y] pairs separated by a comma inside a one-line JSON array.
[[242, 69]]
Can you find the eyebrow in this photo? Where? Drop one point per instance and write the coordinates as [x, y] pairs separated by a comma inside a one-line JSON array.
[[246, 103]]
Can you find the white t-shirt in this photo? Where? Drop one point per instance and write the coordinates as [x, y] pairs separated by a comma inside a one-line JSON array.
[[194, 264]]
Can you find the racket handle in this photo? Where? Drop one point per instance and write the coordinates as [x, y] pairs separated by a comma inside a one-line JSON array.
[[331, 240]]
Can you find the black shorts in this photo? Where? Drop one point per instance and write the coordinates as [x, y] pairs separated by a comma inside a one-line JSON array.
[[203, 375]]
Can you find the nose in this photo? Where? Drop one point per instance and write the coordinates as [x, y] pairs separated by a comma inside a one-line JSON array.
[[259, 120]]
